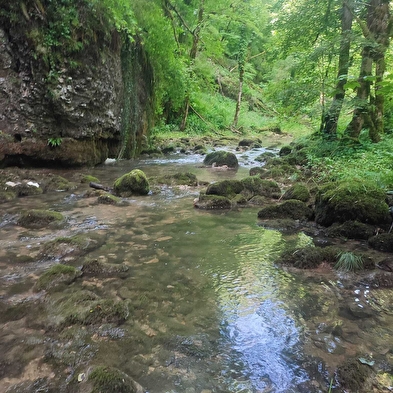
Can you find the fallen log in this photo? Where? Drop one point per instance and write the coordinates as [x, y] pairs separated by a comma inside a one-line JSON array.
[[99, 186]]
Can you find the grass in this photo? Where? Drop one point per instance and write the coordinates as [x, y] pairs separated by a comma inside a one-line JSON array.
[[349, 262]]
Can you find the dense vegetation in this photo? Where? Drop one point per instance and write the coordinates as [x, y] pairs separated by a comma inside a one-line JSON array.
[[303, 66]]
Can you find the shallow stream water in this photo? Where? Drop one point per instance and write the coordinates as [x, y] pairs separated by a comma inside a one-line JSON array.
[[210, 310]]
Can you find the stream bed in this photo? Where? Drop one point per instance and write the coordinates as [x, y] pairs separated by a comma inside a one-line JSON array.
[[208, 308]]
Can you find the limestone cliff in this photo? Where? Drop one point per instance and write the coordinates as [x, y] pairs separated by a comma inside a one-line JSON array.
[[78, 111]]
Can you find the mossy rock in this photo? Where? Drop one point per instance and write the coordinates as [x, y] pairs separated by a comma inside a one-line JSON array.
[[6, 196], [257, 200], [351, 201], [285, 150], [28, 188], [283, 225], [260, 171], [179, 179], [86, 179], [382, 242], [309, 257], [254, 185], [296, 210], [132, 183], [56, 276], [298, 191], [57, 183], [220, 158], [351, 230], [353, 376], [265, 156], [98, 268], [112, 380], [225, 188], [36, 219], [109, 199], [213, 202], [84, 308]]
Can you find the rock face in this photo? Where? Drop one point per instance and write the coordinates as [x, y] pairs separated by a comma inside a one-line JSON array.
[[75, 112]]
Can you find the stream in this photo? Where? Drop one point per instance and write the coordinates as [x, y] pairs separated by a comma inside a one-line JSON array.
[[209, 309]]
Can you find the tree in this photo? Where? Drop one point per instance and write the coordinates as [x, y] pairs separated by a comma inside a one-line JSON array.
[[370, 104], [330, 119]]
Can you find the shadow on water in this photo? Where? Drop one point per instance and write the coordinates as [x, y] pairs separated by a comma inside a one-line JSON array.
[[208, 309]]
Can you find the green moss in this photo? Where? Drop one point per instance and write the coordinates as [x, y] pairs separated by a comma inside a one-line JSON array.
[[309, 257], [108, 199], [88, 179], [55, 276], [40, 218], [254, 185], [298, 191], [296, 210], [226, 188], [382, 242], [213, 202], [111, 380], [265, 156], [351, 201], [61, 246], [351, 230], [6, 196], [57, 183], [221, 158], [132, 183]]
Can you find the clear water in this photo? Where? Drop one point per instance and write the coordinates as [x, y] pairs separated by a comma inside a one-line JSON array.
[[211, 312]]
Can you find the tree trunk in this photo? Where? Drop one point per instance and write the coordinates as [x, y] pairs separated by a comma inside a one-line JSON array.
[[370, 109], [330, 119], [196, 35], [239, 98]]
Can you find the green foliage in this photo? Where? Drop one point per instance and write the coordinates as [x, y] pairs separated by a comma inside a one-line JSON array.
[[349, 262], [55, 142]]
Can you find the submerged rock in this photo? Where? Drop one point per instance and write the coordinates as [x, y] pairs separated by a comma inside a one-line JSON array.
[[110, 379], [36, 219], [355, 376], [56, 276], [211, 202], [57, 183], [95, 267], [132, 183]]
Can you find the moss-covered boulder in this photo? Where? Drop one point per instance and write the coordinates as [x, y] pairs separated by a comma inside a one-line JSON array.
[[226, 188], [285, 150], [86, 179], [351, 230], [309, 257], [36, 219], [132, 183], [254, 185], [258, 170], [220, 158], [110, 379], [351, 201], [298, 191], [296, 210], [24, 188], [212, 202], [56, 276], [382, 242], [265, 156], [57, 183]]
